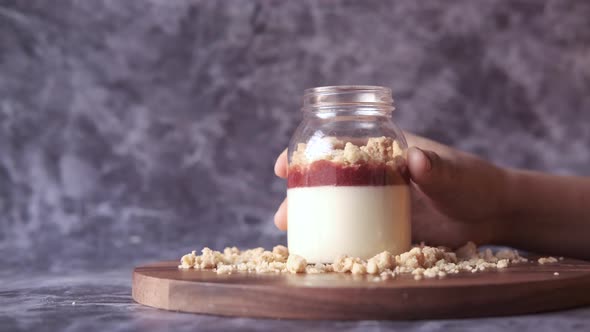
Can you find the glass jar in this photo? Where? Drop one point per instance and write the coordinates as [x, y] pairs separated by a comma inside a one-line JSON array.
[[348, 185]]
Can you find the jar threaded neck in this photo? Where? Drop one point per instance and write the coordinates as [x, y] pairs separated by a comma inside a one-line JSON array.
[[348, 96]]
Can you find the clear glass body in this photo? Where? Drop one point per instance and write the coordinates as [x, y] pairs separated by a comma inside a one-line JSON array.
[[347, 185]]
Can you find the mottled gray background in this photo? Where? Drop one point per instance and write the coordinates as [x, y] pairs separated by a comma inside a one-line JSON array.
[[137, 130]]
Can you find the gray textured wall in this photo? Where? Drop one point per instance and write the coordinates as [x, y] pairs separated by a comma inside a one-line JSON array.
[[136, 130]]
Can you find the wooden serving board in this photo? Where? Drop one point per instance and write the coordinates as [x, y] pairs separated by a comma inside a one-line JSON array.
[[519, 289]]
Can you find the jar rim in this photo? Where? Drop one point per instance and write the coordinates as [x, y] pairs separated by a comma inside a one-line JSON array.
[[347, 88], [337, 96]]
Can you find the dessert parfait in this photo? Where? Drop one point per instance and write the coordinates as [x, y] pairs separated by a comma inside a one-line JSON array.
[[346, 197]]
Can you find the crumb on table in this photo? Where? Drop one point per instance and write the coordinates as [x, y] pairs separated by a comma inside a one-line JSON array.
[[547, 260], [420, 262]]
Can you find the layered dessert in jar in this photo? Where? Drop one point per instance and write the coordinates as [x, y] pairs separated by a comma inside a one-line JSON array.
[[348, 198]]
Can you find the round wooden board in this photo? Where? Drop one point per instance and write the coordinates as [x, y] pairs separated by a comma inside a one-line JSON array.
[[520, 289]]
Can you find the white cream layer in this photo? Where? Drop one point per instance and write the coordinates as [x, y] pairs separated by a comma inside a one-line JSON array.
[[363, 221]]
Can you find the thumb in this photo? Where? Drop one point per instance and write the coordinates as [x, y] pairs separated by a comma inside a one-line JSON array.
[[431, 172]]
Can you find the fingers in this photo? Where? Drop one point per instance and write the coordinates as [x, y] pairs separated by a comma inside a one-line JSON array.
[[281, 165], [281, 170], [431, 172], [281, 216]]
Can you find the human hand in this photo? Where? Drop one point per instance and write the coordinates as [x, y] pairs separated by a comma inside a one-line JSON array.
[[456, 197]]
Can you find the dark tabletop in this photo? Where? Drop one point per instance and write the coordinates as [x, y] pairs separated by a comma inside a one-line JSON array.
[[101, 301]]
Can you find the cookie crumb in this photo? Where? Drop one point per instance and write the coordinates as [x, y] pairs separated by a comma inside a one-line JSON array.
[[547, 260], [358, 268], [296, 264], [502, 264], [280, 253], [225, 269]]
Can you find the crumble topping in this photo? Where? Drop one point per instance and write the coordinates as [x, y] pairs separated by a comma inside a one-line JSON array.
[[377, 150], [421, 262]]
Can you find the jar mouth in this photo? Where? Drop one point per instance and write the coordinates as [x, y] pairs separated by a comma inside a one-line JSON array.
[[348, 96]]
